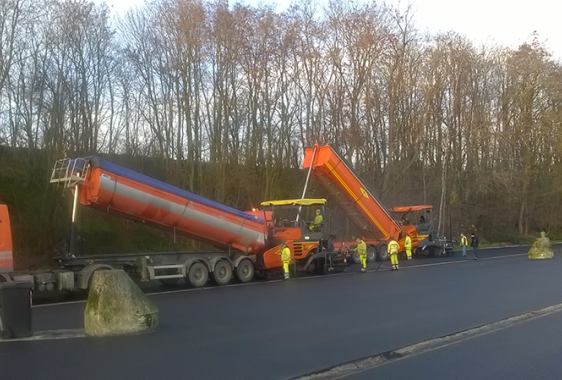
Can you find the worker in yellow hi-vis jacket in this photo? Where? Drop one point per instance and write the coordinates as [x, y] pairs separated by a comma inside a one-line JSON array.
[[362, 252], [317, 222], [393, 248], [286, 258], [408, 247], [464, 244]]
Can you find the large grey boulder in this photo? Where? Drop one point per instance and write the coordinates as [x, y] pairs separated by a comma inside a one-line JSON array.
[[116, 306]]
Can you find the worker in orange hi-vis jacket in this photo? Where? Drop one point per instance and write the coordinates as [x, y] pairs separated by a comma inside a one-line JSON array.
[[393, 248]]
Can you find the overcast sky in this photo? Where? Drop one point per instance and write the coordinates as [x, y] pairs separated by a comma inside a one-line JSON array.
[[504, 22]]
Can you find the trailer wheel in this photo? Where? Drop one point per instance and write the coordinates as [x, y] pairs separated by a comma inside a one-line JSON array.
[[382, 252], [198, 275], [222, 272], [354, 256], [245, 271], [371, 254]]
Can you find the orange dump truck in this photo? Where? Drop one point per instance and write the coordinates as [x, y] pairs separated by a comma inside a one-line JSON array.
[[376, 224]]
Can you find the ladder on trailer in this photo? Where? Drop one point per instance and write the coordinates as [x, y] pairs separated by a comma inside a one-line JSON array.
[[69, 172]]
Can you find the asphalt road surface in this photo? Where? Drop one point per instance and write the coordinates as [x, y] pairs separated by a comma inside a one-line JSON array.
[[280, 330]]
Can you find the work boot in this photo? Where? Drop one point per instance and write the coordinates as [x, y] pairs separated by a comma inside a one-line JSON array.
[[363, 269], [286, 276], [397, 267]]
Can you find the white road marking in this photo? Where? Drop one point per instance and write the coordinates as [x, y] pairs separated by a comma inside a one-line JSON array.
[[58, 304], [50, 335]]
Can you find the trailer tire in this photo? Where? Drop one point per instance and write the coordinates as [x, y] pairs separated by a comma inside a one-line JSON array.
[[371, 254], [245, 270], [382, 252], [354, 256], [198, 275], [222, 272]]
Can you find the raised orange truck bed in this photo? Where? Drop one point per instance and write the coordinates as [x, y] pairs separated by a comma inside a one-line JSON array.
[[377, 226], [361, 206]]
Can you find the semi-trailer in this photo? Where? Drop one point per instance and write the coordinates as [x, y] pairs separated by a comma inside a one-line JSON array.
[[246, 242]]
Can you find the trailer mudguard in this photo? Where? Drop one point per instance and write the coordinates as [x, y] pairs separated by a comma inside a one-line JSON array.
[[85, 274], [239, 258], [213, 262], [189, 262]]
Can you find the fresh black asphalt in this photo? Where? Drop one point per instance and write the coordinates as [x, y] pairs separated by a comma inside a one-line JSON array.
[[281, 330]]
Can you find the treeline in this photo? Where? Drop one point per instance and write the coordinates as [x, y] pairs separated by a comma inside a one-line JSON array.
[[226, 97]]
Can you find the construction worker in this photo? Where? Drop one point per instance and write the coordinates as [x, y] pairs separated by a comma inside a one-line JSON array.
[[318, 219], [286, 258], [362, 252], [408, 247], [464, 244], [474, 245], [393, 248]]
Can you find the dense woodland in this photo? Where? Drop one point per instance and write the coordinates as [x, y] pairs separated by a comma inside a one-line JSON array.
[[221, 99]]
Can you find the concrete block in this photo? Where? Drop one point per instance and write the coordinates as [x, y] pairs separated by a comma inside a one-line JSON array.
[[541, 249], [116, 306]]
